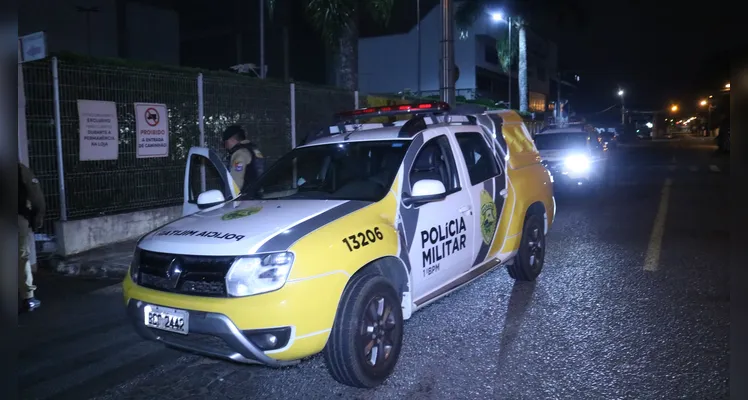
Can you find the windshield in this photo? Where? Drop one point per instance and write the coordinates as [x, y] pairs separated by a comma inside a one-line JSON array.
[[339, 171], [556, 141]]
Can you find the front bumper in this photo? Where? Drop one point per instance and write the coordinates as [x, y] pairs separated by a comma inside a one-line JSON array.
[[211, 334]]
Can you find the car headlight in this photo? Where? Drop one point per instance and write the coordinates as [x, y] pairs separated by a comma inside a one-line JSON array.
[[135, 265], [577, 163], [258, 274]]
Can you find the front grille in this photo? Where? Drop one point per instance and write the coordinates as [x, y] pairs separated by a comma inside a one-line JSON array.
[[196, 275]]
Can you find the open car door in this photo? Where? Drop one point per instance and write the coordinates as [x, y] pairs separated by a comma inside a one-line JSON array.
[[205, 171]]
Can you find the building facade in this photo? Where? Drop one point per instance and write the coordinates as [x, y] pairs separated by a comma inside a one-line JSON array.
[[389, 63]]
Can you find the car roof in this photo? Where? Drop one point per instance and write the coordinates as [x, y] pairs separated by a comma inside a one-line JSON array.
[[370, 134], [562, 130]]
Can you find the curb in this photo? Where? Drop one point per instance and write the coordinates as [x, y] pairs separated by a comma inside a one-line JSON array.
[[85, 269]]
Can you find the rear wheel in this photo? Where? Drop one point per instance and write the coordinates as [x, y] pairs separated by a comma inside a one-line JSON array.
[[528, 262], [367, 335]]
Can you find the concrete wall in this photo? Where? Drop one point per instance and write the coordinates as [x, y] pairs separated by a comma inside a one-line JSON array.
[[74, 237], [388, 64]]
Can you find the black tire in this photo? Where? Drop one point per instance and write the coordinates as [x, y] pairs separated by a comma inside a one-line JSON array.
[[525, 269], [345, 352]]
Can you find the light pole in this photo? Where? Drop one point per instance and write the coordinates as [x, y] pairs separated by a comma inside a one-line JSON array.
[[623, 107], [88, 11], [709, 108], [446, 87], [418, 62]]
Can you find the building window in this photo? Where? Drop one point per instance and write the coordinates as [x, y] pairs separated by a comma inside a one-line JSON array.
[[537, 102], [492, 55]]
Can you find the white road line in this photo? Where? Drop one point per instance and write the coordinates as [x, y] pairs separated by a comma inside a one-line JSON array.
[[652, 260], [714, 168]]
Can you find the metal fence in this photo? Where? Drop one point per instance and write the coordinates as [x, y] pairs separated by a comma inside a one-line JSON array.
[[94, 188]]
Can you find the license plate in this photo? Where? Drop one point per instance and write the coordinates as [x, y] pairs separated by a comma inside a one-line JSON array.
[[167, 319]]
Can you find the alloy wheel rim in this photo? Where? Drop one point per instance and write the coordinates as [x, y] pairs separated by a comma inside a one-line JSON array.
[[377, 331]]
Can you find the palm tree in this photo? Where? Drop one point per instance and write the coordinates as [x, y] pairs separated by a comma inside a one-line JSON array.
[[524, 13], [338, 22]]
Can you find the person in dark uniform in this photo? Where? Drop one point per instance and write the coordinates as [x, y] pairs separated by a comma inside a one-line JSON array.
[[246, 162], [31, 209]]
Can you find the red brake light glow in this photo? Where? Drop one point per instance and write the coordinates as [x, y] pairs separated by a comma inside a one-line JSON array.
[[400, 109]]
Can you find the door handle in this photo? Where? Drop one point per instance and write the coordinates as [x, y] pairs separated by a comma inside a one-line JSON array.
[[465, 209], [503, 193]]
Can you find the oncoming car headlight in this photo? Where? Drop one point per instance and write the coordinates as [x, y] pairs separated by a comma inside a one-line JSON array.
[[258, 274], [577, 163]]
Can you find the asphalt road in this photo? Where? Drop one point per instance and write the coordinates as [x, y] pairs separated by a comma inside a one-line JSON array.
[[633, 303]]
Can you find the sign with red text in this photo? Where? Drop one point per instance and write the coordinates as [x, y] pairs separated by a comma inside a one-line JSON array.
[[98, 130], [152, 126]]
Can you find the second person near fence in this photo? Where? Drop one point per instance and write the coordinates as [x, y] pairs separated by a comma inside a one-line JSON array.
[[246, 162]]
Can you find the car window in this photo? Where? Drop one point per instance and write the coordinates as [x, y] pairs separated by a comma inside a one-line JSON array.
[[337, 171], [481, 164], [558, 141], [435, 160]]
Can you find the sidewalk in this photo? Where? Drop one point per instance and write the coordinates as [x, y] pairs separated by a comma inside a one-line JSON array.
[[110, 262]]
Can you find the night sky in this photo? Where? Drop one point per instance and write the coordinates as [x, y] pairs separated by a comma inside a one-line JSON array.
[[659, 52]]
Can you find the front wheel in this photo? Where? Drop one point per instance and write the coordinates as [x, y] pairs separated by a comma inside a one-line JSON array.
[[531, 254], [367, 335]]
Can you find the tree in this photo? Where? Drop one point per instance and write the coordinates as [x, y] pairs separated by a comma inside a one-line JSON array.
[[338, 22], [523, 14]]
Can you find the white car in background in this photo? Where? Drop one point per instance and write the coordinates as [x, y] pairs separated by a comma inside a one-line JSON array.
[[574, 154]]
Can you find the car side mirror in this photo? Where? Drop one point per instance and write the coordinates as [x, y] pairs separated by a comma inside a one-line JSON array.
[[210, 198], [425, 191]]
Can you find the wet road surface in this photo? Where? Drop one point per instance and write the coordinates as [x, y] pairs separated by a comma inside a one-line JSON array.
[[622, 310]]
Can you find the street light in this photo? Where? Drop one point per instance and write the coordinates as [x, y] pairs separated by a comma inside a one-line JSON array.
[[497, 16], [674, 108], [703, 103], [727, 86], [623, 107]]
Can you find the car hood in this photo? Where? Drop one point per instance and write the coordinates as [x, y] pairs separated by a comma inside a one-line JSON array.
[[246, 227]]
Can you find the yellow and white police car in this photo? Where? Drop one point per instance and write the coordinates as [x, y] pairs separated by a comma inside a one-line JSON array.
[[342, 239]]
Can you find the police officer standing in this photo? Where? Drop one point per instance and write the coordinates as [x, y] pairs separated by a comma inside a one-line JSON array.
[[31, 209], [246, 162]]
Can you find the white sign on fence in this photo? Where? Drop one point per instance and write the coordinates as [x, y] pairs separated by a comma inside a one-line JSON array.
[[99, 130], [32, 47], [152, 125]]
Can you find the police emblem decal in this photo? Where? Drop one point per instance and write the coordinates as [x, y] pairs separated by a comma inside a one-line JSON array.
[[241, 213], [238, 166], [488, 217]]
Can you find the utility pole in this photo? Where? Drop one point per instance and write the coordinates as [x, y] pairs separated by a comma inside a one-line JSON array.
[[418, 62], [558, 96], [446, 72], [262, 39], [88, 11], [509, 70]]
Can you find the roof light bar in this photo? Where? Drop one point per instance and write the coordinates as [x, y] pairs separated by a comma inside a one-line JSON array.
[[432, 107]]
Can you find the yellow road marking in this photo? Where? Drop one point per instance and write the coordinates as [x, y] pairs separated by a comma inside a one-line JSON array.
[[652, 260]]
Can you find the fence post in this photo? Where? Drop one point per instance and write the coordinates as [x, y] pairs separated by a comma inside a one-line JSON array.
[[355, 100], [201, 127], [23, 143], [293, 130], [293, 115], [58, 136]]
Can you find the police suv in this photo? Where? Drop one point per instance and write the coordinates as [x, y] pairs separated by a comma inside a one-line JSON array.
[[343, 238]]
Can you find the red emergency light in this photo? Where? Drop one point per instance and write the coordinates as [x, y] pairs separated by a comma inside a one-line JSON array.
[[395, 110]]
